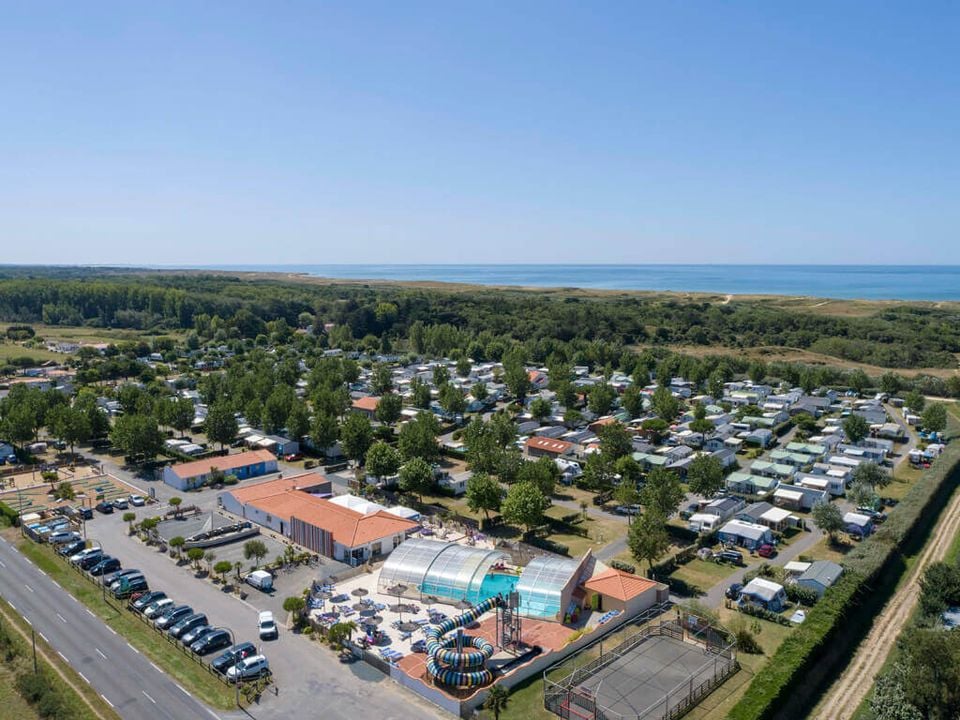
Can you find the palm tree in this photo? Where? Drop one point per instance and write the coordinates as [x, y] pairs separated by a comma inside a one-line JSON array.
[[497, 699], [341, 632]]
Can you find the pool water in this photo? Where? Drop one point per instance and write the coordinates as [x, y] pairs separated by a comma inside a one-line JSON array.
[[497, 584]]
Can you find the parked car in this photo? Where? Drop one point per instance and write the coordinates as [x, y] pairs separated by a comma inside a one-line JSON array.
[[216, 639], [173, 615], [157, 607], [89, 561], [120, 503], [188, 622], [293, 457], [128, 587], [260, 579], [231, 656], [106, 565], [104, 507], [138, 500], [193, 634], [876, 515], [730, 556], [628, 510], [85, 553], [767, 551], [114, 576], [733, 592], [126, 579], [251, 667], [143, 601], [266, 626], [72, 548], [61, 537]]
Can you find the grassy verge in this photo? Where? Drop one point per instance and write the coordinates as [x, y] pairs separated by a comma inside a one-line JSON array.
[[76, 700], [193, 676]]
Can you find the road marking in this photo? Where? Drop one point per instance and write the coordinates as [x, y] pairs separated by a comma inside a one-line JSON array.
[[62, 618], [106, 700], [89, 612], [63, 656], [133, 648], [41, 572], [213, 713], [28, 587], [11, 605], [44, 637], [83, 677], [100, 653], [56, 583], [2, 564], [111, 630], [148, 697], [182, 690], [156, 668]]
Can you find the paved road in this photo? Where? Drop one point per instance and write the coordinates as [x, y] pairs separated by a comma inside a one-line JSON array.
[[124, 677]]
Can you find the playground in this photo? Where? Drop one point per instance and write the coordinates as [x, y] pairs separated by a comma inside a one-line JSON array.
[[89, 486]]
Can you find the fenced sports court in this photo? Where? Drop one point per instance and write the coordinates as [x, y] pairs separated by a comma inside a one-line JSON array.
[[659, 672]]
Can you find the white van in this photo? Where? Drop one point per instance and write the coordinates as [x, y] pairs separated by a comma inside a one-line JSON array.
[[261, 580]]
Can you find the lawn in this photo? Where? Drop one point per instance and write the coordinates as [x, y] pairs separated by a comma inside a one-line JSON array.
[[823, 550], [702, 574], [183, 668], [13, 705], [10, 350]]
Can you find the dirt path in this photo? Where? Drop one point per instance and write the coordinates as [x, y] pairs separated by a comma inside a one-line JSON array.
[[847, 692], [42, 652]]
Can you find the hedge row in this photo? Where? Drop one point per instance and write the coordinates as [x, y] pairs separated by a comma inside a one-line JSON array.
[[9, 513], [807, 655]]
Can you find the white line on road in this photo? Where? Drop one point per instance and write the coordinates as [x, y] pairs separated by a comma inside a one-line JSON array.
[[213, 713], [111, 630], [148, 697], [27, 621], [89, 612], [62, 618], [133, 648], [106, 700], [182, 689], [63, 656], [100, 653], [41, 572], [44, 637], [11, 605], [156, 668], [83, 677], [28, 587], [56, 583], [2, 564]]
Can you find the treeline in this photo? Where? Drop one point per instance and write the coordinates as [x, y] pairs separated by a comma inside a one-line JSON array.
[[437, 321]]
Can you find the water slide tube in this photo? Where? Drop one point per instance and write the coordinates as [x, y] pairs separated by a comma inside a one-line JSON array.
[[458, 660]]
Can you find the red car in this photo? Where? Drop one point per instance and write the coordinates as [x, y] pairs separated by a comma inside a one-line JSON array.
[[766, 551], [293, 457]]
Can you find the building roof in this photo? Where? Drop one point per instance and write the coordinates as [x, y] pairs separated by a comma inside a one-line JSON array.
[[551, 445], [745, 529], [824, 572], [223, 463], [764, 589], [368, 403], [252, 493], [348, 527], [619, 585]]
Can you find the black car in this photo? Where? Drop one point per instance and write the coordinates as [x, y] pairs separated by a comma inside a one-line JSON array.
[[215, 640], [117, 574], [187, 623], [198, 633], [730, 556], [136, 585], [71, 548], [148, 597], [733, 592], [107, 564], [105, 508], [172, 615], [89, 561], [232, 656]]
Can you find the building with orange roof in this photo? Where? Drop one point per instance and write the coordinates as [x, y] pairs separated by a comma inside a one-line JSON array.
[[190, 475], [547, 446], [613, 589], [366, 405], [315, 522], [234, 499]]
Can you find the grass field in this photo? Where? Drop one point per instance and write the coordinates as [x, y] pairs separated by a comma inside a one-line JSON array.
[[9, 350], [13, 705], [701, 574], [184, 669]]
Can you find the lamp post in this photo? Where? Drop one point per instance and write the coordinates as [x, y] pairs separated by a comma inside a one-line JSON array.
[[236, 665]]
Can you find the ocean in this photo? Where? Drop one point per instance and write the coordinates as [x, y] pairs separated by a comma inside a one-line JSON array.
[[869, 282]]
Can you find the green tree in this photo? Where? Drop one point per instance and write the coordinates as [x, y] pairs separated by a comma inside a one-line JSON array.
[[598, 472], [295, 605], [137, 436], [255, 550], [915, 401], [540, 408], [931, 659], [222, 568], [381, 379], [542, 472], [939, 588], [340, 633], [615, 441], [855, 428], [871, 475], [626, 493], [389, 408], [298, 421], [452, 400], [515, 376], [655, 428], [181, 414], [128, 518], [220, 425], [861, 494], [418, 438], [195, 555], [600, 399], [662, 493], [498, 697], [483, 493], [828, 518], [524, 505], [356, 437], [705, 475], [416, 476], [647, 538], [479, 391], [382, 460], [420, 393], [325, 431], [441, 376], [632, 401], [934, 418], [664, 404], [70, 424], [628, 469], [175, 502], [890, 383], [177, 544]]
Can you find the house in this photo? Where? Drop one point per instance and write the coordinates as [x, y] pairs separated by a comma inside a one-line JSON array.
[[874, 414], [765, 593], [570, 470], [618, 590], [235, 499], [795, 460], [746, 484], [821, 575], [857, 524], [538, 379], [798, 497], [745, 534], [770, 469], [366, 405], [723, 508], [548, 447], [725, 456], [760, 436], [752, 512], [834, 481], [190, 475], [890, 431], [455, 482], [778, 519]]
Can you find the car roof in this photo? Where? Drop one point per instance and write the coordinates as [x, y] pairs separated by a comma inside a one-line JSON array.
[[266, 615]]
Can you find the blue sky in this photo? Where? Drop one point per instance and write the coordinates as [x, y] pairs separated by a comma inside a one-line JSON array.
[[287, 132]]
